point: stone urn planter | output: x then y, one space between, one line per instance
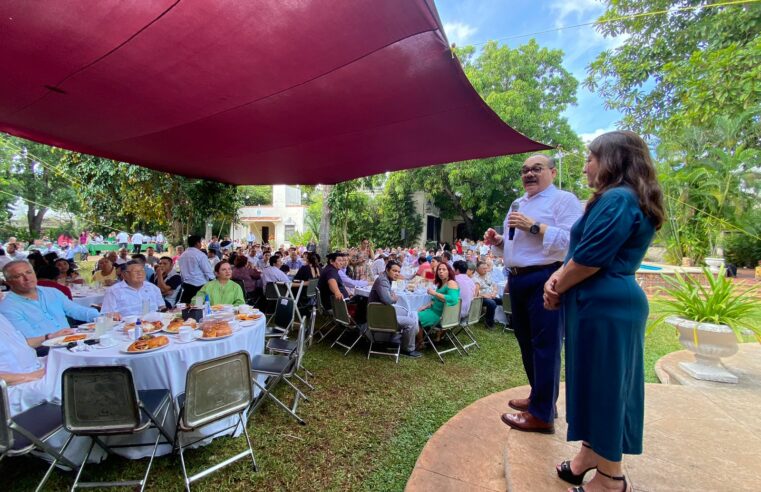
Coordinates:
713 343
715 263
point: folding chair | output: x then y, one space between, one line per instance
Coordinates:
305 300
450 318
474 314
281 322
507 307
278 368
293 348
102 401
272 292
350 327
30 430
215 389
330 322
381 318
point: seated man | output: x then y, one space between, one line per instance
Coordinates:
487 289
349 282
330 283
293 262
381 292
128 297
148 268
122 258
20 368
168 280
273 273
39 313
467 286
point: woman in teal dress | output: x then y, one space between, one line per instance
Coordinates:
223 290
446 292
605 310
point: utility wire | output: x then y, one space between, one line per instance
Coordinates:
623 17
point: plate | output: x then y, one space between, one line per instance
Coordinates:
89 327
250 322
125 351
59 341
198 335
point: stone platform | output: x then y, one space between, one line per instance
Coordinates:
695 439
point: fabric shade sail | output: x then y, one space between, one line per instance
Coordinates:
245 92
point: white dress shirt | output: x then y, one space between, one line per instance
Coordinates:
122 237
195 268
125 300
137 238
274 274
559 210
17 357
350 282
378 267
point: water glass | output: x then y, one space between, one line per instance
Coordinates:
146 306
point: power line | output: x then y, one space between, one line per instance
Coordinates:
623 17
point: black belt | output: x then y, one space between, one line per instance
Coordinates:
515 271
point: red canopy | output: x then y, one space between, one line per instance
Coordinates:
245 92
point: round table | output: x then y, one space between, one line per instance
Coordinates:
87 296
162 369
410 301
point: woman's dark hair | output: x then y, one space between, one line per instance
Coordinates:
422 260
624 160
436 278
313 260
219 265
240 261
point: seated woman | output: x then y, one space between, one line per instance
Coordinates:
446 292
246 273
310 270
66 274
106 273
223 290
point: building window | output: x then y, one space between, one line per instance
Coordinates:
290 230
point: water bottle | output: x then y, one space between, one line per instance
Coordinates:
206 305
138 329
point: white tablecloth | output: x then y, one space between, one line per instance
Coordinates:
162 369
86 296
411 301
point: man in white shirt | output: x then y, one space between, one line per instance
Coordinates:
273 273
541 220
466 284
379 265
137 242
122 258
194 269
13 252
4 258
160 241
20 368
487 289
133 296
122 239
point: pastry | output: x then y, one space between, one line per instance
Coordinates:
147 342
74 338
217 329
247 317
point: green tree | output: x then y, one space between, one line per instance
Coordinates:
40 175
256 195
394 212
681 69
527 87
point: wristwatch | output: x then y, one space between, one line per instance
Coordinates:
534 229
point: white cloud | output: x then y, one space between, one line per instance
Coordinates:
576 9
459 32
588 137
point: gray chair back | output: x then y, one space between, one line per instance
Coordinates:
271 292
6 435
507 307
217 388
99 400
341 312
450 317
474 313
381 317
284 311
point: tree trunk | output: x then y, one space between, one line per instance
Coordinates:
34 219
324 244
469 223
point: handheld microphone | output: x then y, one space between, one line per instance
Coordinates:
511 232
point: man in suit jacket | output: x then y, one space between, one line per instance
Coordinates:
381 292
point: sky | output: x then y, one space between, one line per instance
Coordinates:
477 21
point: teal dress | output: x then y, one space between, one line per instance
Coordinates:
432 315
605 318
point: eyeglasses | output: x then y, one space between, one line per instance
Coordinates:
532 170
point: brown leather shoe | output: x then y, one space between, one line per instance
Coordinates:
526 422
520 404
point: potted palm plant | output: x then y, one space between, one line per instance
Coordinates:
710 320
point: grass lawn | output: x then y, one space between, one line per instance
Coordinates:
367 422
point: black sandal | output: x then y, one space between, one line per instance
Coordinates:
622 478
565 473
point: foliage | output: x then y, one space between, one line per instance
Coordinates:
678 70
528 88
744 248
719 303
395 212
303 238
351 214
41 176
256 195
709 177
